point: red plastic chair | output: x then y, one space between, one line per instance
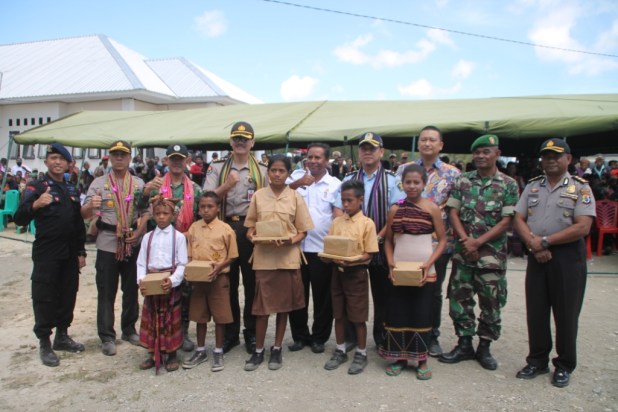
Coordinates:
607 221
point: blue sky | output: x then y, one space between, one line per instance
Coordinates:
282 53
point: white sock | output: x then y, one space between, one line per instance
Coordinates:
259 350
341 347
201 348
362 351
218 350
276 347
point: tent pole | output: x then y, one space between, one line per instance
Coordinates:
413 146
8 158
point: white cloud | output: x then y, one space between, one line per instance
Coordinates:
352 53
555 27
419 88
298 88
211 23
440 36
424 89
462 69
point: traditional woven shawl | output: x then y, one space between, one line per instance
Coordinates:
254 172
185 216
377 206
122 197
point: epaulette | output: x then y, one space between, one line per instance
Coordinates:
390 172
580 179
349 174
263 164
218 161
534 179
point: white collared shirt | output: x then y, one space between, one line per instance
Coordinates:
320 198
161 254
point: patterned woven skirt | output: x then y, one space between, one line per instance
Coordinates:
161 327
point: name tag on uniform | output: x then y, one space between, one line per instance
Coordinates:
250 193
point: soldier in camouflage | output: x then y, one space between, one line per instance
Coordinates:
481 207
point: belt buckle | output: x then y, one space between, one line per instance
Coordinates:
235 218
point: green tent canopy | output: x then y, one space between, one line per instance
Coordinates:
589 122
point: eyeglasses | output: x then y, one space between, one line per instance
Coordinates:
238 139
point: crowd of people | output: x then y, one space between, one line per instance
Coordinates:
150 218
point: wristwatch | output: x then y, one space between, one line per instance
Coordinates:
380 240
544 242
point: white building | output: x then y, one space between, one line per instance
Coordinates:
45 80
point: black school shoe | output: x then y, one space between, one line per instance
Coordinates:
561 378
228 344
530 372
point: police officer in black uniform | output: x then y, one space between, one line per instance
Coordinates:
58 253
553 216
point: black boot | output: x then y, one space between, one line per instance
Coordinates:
62 341
249 341
484 356
187 343
463 351
48 357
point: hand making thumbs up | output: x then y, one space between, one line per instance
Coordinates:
96 199
43 200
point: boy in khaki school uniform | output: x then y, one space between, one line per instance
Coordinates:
210 239
350 284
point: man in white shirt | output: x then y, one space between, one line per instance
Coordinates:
19 167
319 189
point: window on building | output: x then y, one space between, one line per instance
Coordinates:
42 151
40 120
78 152
27 151
25 121
94 153
17 122
32 121
10 122
15 147
48 119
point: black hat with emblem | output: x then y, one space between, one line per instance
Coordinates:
555 145
177 150
61 150
242 129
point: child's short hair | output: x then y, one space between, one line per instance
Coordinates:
415 168
356 185
211 195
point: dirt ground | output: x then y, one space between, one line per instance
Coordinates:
91 381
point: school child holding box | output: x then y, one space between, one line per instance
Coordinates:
278 283
212 240
349 282
163 249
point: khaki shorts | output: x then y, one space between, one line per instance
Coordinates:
350 294
211 299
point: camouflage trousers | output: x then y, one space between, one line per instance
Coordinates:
490 287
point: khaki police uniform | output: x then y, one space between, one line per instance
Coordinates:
559 284
236 205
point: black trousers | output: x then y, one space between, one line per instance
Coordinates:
557 286
378 276
108 269
54 290
241 265
438 297
316 274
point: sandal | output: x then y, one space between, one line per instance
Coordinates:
423 374
172 364
395 368
147 364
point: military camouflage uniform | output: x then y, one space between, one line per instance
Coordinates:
482 203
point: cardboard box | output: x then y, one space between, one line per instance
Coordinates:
271 228
198 270
342 246
152 283
407 274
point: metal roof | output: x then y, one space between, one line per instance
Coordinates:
97 67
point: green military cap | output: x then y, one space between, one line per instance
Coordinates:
487 140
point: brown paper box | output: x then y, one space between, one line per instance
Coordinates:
152 283
341 246
198 271
407 274
270 228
